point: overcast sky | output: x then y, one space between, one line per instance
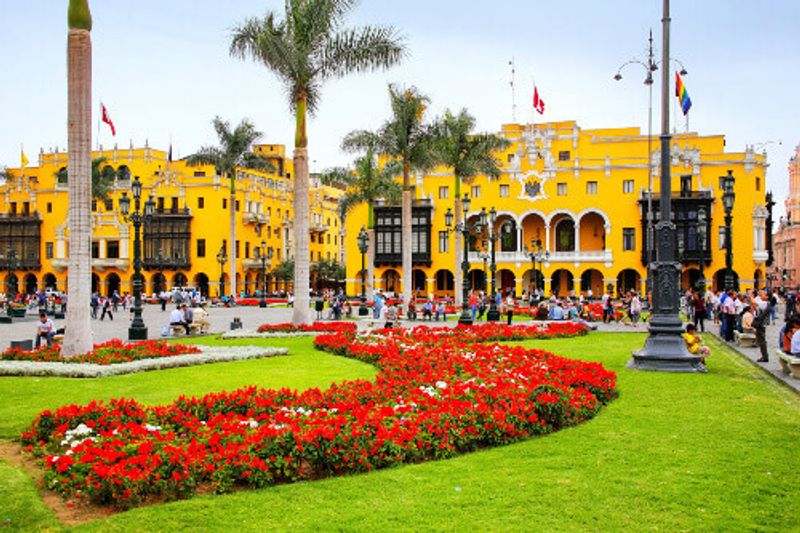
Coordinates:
163 70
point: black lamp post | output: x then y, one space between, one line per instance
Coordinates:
465 229
222 258
263 256
702 232
484 255
137 329
728 196
363 246
493 315
665 349
538 256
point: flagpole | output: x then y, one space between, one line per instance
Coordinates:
513 91
99 119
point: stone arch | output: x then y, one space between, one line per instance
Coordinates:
158 282
628 280
564 234
31 283
690 277
531 281
201 282
477 280
719 279
533 227
180 280
592 231
391 281
113 283
592 279
562 282
445 281
506 281
418 281
50 281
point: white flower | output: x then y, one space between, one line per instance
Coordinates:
441 385
153 429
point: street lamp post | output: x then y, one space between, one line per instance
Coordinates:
728 196
363 247
665 349
493 315
702 232
222 258
263 256
484 255
650 66
137 329
465 229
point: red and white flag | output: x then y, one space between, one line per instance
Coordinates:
538 103
107 119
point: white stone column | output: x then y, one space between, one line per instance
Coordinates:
547 237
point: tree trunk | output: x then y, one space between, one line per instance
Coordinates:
459 246
301 314
406 234
78 334
232 253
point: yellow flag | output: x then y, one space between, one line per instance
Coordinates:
23 158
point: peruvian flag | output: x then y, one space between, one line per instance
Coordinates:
107 119
538 103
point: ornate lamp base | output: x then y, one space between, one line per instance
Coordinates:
665 350
136 333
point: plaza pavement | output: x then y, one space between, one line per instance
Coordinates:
252 317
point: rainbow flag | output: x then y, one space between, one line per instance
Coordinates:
682 94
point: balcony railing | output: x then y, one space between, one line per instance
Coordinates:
255 218
580 256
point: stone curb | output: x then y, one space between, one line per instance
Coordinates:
87 370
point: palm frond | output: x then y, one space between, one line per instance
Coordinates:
361 49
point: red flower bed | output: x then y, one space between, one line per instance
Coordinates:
108 353
288 327
257 301
438 394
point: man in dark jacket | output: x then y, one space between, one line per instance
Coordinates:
762 318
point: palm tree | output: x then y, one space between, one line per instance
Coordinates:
468 155
234 150
102 179
78 333
366 183
406 139
304 49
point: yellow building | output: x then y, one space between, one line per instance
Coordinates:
182 240
583 195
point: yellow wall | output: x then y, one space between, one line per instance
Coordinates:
607 157
265 213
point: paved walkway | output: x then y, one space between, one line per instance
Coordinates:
252 317
750 354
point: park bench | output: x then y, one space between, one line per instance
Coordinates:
58 339
196 328
746 339
789 364
177 330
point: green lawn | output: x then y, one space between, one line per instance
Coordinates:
674 452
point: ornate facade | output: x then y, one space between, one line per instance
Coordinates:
182 239
583 194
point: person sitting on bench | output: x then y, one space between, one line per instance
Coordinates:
694 343
45 329
177 318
